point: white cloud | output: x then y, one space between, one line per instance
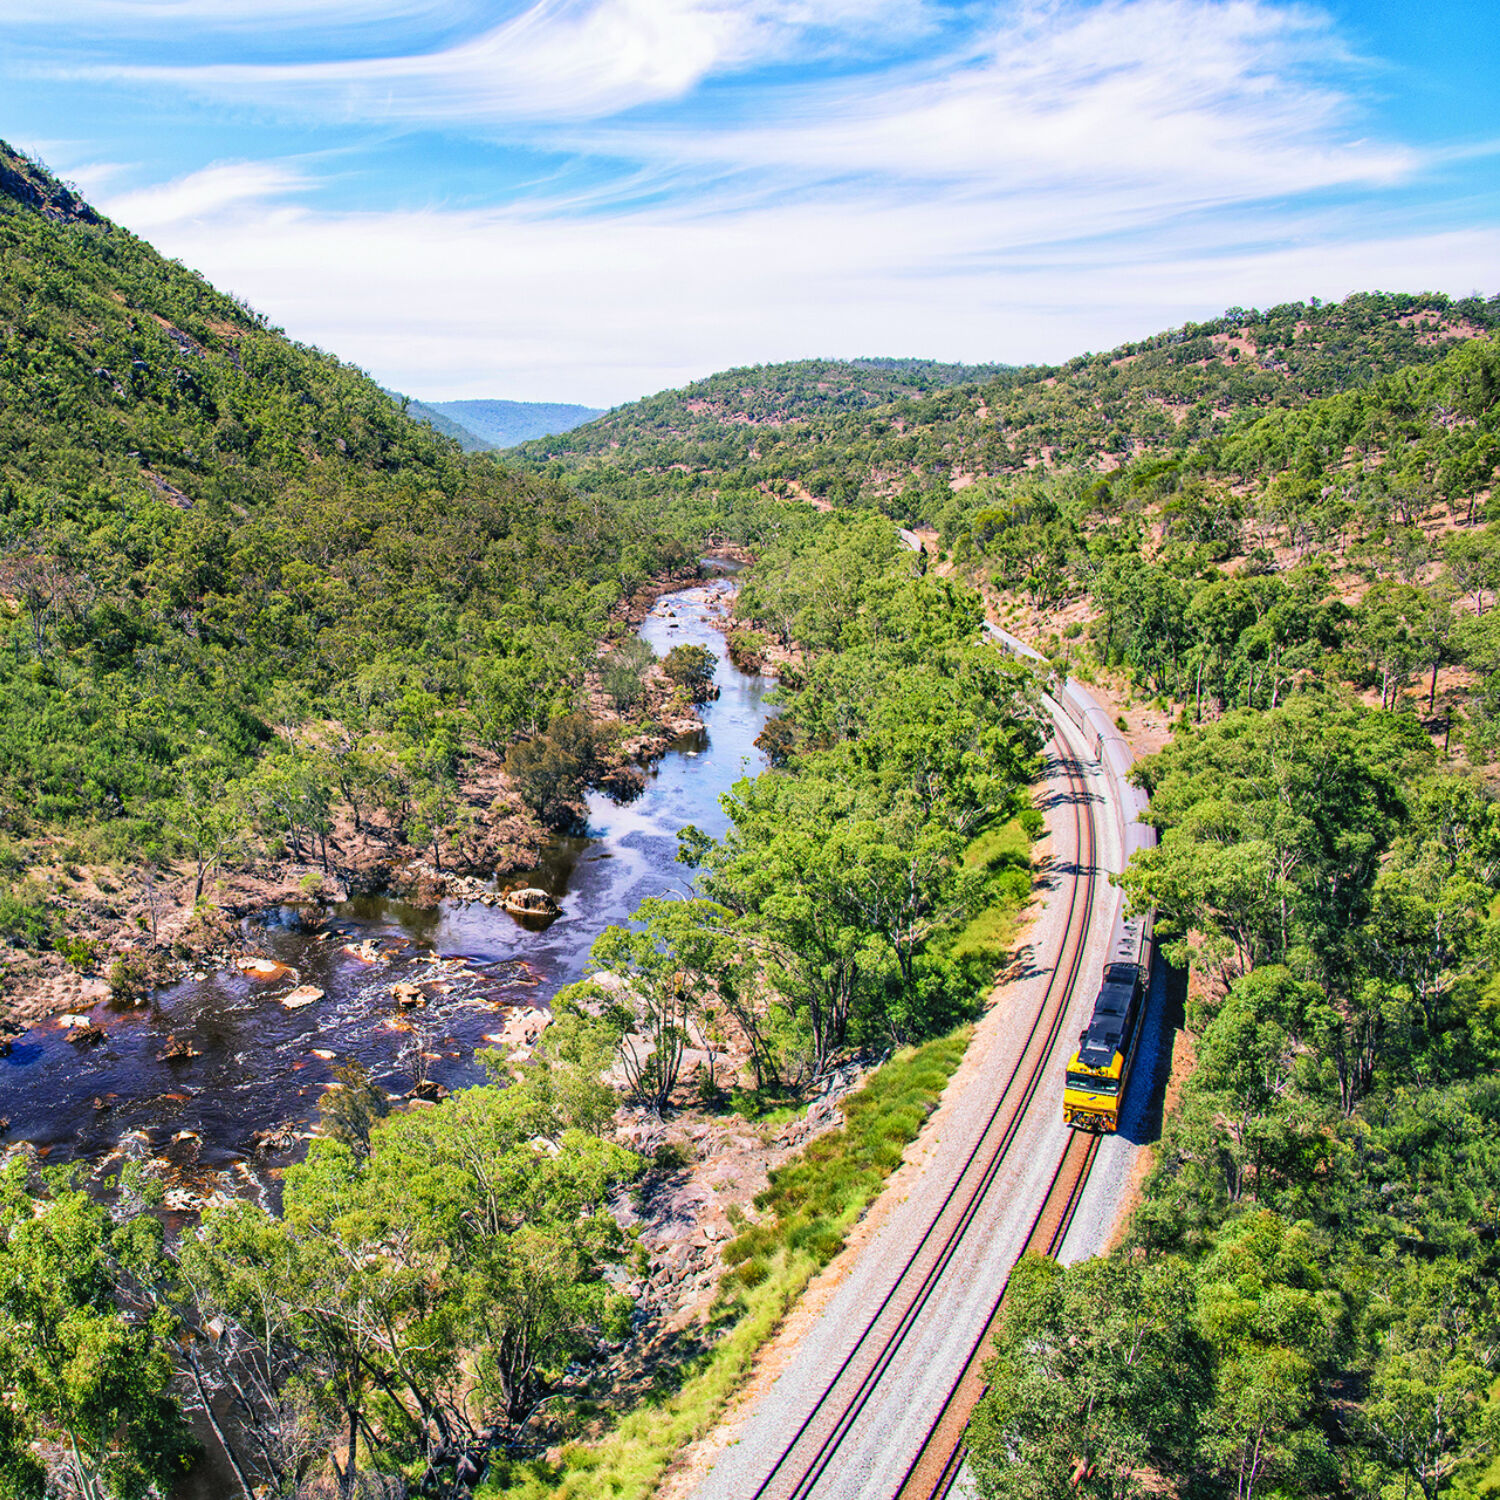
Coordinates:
1077 175
1210 102
223 15
447 305
554 60
203 196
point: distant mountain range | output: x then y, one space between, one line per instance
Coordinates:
500 424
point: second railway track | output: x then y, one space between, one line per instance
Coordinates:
809 1453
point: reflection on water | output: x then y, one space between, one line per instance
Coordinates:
261 1064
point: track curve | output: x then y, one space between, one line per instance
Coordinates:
806 1461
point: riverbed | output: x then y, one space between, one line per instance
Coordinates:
259 1066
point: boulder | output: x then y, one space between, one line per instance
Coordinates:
304 994
274 1138
528 901
261 968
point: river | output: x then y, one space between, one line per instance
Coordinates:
261 1065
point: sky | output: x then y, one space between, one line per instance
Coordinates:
592 200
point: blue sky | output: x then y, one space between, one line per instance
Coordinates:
589 200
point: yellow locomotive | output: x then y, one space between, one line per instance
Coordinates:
1099 1070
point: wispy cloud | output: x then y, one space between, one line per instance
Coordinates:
449 304
553 60
1217 100
980 180
205 196
222 15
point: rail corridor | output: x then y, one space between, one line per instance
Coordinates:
855 1404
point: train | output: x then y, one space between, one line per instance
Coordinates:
1098 1072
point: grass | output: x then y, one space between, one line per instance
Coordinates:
1005 853
1009 845
807 1211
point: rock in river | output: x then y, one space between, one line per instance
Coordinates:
304 994
261 968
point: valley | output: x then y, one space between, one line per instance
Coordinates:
326 1175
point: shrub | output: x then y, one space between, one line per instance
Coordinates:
551 771
129 976
25 921
79 952
691 667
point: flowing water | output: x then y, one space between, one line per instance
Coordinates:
261 1065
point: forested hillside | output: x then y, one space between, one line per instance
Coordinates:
899 435
242 592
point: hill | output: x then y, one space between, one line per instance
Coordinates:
503 424
900 435
239 587
419 411
757 398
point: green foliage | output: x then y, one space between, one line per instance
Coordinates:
238 586
26 921
1331 1168
658 989
1098 1377
1272 826
433 1280
814 1199
551 771
691 667
622 674
351 1106
79 1375
902 737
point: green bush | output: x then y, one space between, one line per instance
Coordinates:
25 921
80 953
129 976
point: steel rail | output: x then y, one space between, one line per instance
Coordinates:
945 1438
1045 1027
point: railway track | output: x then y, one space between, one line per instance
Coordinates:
809 1452
936 1468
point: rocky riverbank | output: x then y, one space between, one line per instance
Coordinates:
148 919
